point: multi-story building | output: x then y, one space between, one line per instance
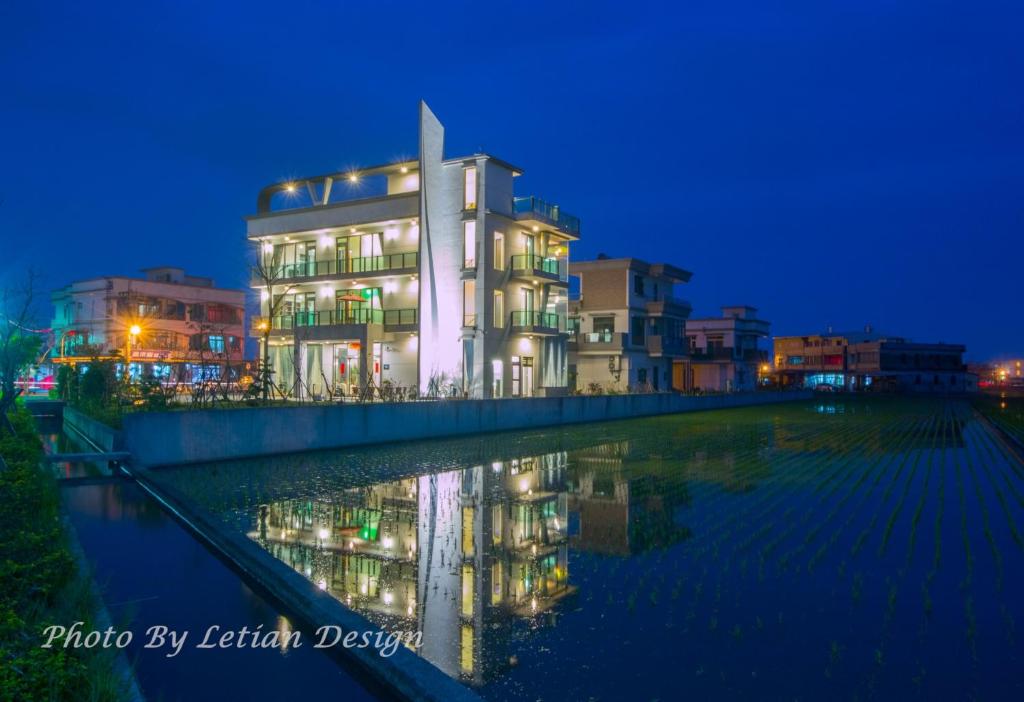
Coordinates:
724 356
177 327
628 327
428 275
867 360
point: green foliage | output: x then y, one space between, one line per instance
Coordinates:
98 385
39 584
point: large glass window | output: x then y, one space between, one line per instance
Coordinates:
469 303
497 380
469 244
499 251
499 309
469 188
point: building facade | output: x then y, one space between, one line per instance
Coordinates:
628 327
859 361
724 356
427 276
186 330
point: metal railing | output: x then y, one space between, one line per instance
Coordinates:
404 316
325 318
540 264
551 212
528 318
358 264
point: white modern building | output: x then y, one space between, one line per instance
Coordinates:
428 275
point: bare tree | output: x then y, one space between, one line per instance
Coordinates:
19 342
271 276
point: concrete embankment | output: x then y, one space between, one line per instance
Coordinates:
97 433
174 438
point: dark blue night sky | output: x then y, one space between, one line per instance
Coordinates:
830 163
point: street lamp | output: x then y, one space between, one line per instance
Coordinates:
133 331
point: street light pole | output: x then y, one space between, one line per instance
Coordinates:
133 331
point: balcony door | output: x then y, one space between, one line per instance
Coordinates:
359 306
522 376
529 247
528 301
305 258
305 309
343 254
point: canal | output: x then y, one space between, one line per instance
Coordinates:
152 572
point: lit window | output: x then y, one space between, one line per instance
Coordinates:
469 303
497 390
499 309
499 251
469 244
469 182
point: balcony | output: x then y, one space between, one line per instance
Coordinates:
536 322
658 345
362 266
327 318
401 320
527 208
600 342
669 307
545 267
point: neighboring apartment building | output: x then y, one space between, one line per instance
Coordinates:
870 361
427 275
188 330
628 326
724 356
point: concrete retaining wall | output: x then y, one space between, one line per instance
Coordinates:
171 438
98 433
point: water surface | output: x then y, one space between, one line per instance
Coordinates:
858 548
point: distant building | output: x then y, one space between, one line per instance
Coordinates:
724 356
187 329
867 360
627 326
1008 372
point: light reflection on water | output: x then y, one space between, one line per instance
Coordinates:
699 550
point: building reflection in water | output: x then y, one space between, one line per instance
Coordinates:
626 504
459 555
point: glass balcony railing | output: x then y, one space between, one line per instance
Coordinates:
359 264
533 263
325 318
528 318
406 316
552 213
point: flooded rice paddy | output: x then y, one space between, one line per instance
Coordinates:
843 549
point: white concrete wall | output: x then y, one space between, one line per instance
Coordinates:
168 438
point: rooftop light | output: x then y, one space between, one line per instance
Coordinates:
352 178
405 169
290 187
